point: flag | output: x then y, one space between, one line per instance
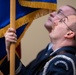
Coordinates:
26 12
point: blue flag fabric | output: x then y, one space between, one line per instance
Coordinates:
26 12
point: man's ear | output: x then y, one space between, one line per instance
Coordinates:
69 34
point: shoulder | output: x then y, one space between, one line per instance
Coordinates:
61 64
63 60
64 57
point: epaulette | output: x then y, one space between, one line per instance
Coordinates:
64 56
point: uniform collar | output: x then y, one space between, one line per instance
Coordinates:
50 46
69 49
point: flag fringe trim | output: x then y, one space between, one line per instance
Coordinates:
19 39
46 8
24 20
1 61
43 5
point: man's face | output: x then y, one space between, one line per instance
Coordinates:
62 27
57 15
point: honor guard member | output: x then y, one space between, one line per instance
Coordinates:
57 59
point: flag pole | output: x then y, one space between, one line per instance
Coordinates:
12 46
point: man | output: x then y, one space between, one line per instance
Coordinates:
63 37
35 67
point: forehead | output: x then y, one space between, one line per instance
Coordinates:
67 10
71 19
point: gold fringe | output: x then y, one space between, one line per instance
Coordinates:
2 60
19 22
25 19
45 5
18 42
19 39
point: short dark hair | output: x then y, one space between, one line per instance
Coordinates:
72 8
73 27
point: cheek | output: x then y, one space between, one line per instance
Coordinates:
58 31
61 32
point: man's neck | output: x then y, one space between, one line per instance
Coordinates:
58 44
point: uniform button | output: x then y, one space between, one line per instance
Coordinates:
46 54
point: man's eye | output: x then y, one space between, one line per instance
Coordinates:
61 20
58 12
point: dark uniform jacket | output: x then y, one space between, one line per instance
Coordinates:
48 62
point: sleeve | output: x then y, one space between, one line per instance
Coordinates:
60 66
5 66
19 67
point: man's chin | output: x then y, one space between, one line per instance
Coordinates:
49 29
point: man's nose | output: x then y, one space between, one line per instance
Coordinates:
53 14
55 22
